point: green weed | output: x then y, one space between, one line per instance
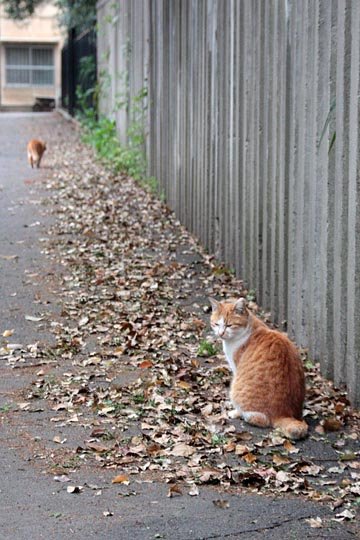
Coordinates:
251 295
117 408
6 408
308 363
101 133
139 398
206 348
218 440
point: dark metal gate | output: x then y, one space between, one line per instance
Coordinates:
78 71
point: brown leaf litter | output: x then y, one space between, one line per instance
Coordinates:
133 290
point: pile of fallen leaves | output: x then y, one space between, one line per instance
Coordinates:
136 367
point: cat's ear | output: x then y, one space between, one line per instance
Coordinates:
214 303
240 306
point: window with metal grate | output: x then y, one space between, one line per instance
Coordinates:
29 65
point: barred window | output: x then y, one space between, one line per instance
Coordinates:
29 66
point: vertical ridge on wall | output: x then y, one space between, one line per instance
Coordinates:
341 188
353 258
313 311
262 158
237 151
245 99
323 171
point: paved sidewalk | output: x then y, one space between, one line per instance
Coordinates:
32 504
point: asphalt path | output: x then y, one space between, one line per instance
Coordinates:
34 506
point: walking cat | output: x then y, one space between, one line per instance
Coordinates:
35 150
268 384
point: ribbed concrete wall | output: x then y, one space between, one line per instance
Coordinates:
239 94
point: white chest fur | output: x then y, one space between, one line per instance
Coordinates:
230 346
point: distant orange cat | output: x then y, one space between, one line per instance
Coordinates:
35 150
268 384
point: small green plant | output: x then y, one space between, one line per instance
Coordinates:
251 295
55 514
139 398
218 440
72 463
87 90
206 348
151 403
117 409
308 363
5 408
217 376
101 133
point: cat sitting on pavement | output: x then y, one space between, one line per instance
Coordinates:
268 384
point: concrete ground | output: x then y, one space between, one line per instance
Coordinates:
32 504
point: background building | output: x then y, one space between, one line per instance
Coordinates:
30 52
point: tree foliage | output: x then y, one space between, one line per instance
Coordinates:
79 14
20 9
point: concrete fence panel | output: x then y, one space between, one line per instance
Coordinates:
252 130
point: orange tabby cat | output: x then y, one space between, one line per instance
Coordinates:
268 384
35 150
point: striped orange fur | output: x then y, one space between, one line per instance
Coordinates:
268 384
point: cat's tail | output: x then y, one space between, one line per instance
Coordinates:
292 428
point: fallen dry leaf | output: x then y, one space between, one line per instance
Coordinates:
57 439
345 515
221 503
332 424
194 491
62 478
83 321
207 410
74 489
9 257
184 385
249 458
134 310
24 406
97 447
315 523
243 436
291 448
182 449
145 364
174 490
33 318
280 460
121 479
241 449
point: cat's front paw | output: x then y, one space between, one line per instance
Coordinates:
235 413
